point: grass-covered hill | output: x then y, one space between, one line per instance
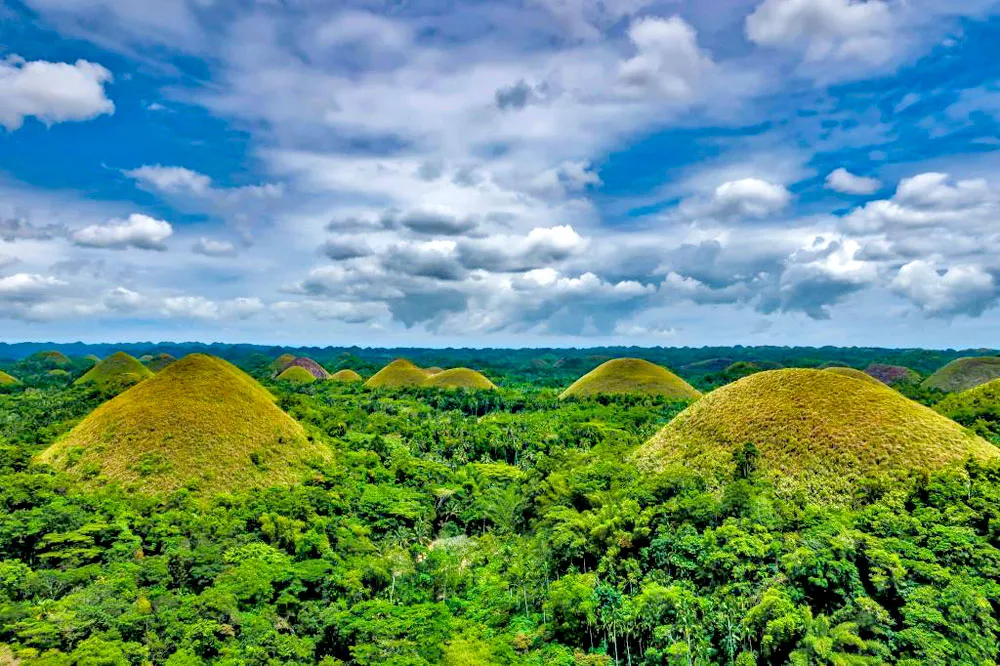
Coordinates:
282 362
456 378
51 359
296 374
310 366
158 362
853 372
201 422
978 409
893 374
345 375
965 373
811 430
400 373
7 380
118 371
630 375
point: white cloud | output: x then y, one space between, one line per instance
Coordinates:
171 179
927 200
138 231
28 287
52 92
843 181
122 299
199 307
668 60
541 248
825 30
955 290
213 248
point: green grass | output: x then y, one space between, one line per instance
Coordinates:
51 359
282 362
815 431
310 366
456 378
631 375
58 372
852 372
201 423
296 375
345 376
117 371
159 362
7 380
965 373
978 409
398 374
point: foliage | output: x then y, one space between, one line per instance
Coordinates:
965 373
116 373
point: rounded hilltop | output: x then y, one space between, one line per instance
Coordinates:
893 375
118 371
978 409
631 375
201 422
7 380
280 363
159 362
346 376
854 373
811 430
296 375
401 373
51 359
459 378
965 373
312 367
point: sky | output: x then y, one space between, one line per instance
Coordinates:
501 173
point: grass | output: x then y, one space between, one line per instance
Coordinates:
7 380
51 359
159 362
965 373
893 374
296 375
117 371
310 366
433 370
457 378
398 374
854 373
201 423
631 375
815 431
57 372
345 376
282 362
978 409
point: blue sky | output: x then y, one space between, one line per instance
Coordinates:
548 172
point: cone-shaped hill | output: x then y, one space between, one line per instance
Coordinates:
892 375
433 370
116 372
310 366
345 376
7 380
813 430
978 408
459 378
398 374
965 373
201 422
280 363
631 375
852 372
51 359
296 374
159 362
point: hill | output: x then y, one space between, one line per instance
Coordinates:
965 373
51 359
813 430
345 376
459 378
892 374
310 366
631 375
978 409
159 362
854 373
296 374
7 380
116 372
398 374
201 422
280 363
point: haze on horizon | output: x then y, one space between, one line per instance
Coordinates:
551 173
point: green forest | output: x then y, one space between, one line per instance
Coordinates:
508 525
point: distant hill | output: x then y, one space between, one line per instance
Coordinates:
459 378
400 373
965 373
813 431
201 422
159 362
345 376
282 362
310 366
978 409
892 374
7 380
630 375
51 359
116 372
296 375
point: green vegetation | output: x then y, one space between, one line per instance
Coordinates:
345 375
978 409
630 375
814 431
58 372
893 375
282 362
159 362
852 372
965 373
297 375
398 374
312 367
7 380
115 373
459 378
201 423
51 359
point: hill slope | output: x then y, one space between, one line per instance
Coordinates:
200 421
856 374
978 409
159 362
631 375
310 366
459 378
965 373
892 374
296 374
7 380
51 359
118 371
280 363
398 374
814 430
345 376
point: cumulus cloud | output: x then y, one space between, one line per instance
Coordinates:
122 299
138 231
199 307
539 249
955 290
28 287
825 30
925 200
843 181
746 197
17 228
171 179
52 92
821 275
668 60
432 221
345 247
433 259
213 248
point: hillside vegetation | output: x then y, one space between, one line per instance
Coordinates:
852 372
810 430
965 373
978 409
282 362
297 375
345 375
159 362
116 372
892 374
310 366
631 375
463 378
400 373
201 422
7 380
